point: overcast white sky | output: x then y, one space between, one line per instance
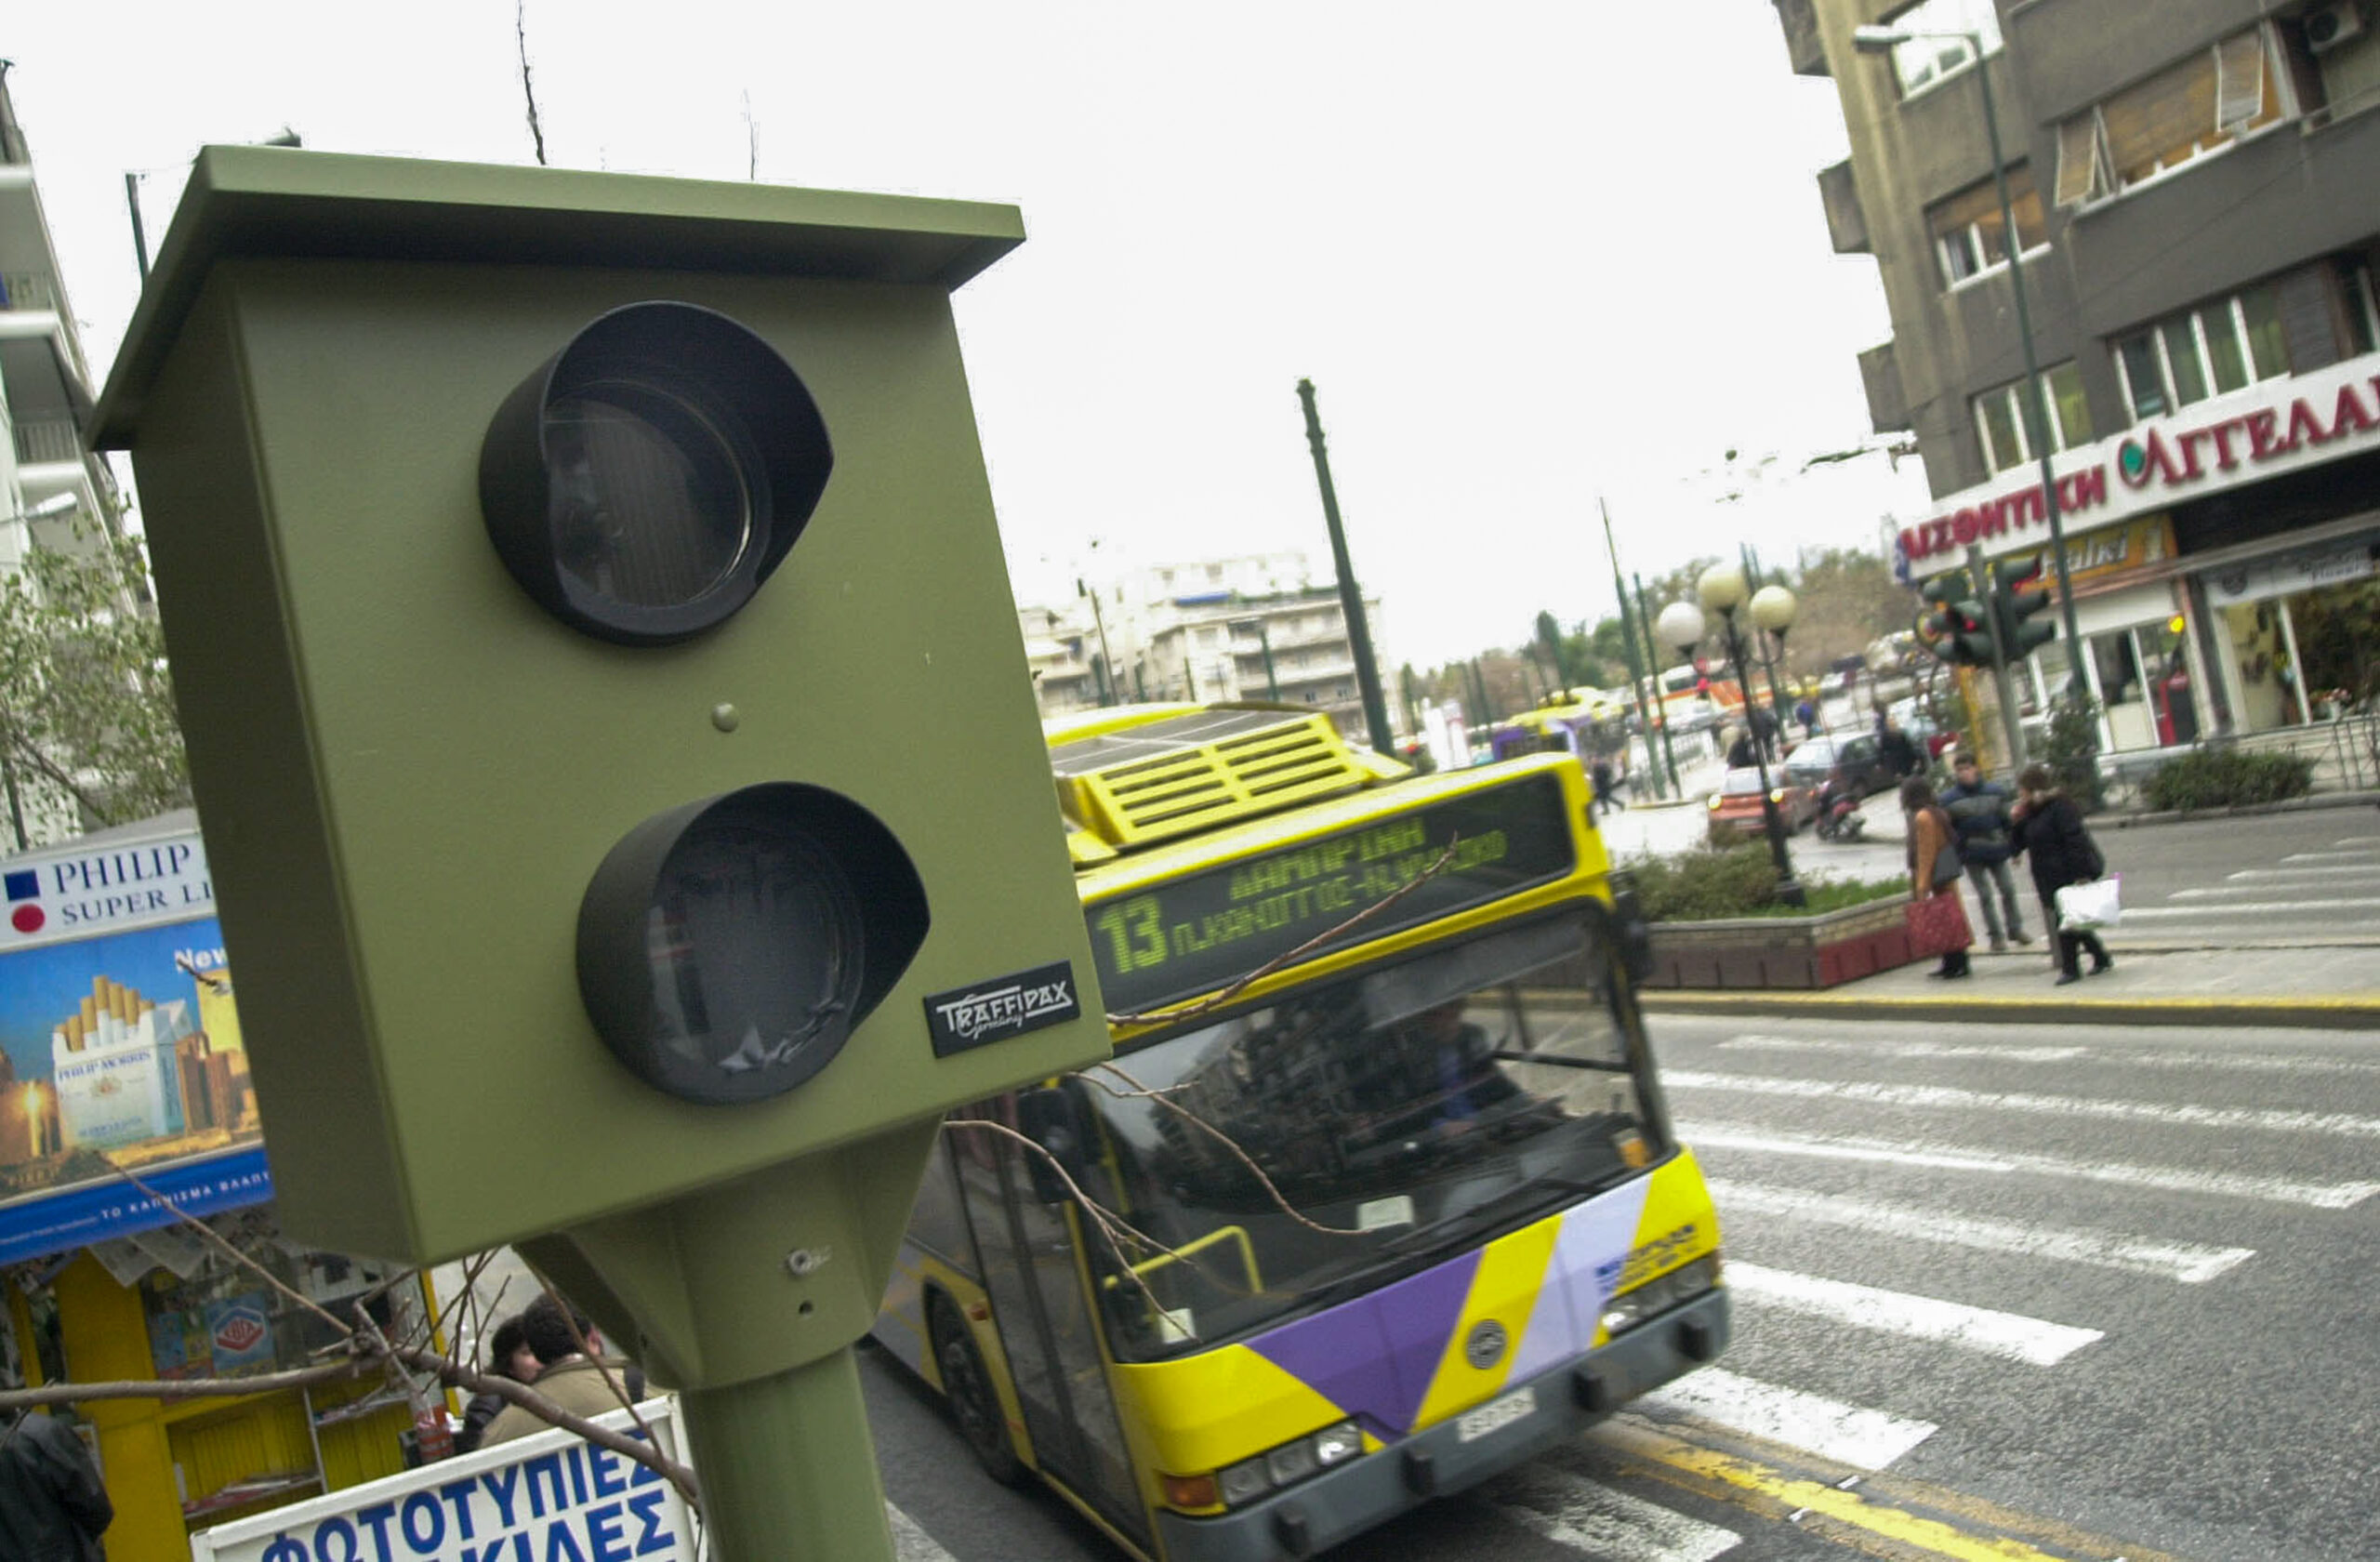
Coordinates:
1530 253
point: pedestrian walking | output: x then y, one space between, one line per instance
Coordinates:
1980 809
1807 714
1601 771
1939 918
53 1505
2048 830
1895 747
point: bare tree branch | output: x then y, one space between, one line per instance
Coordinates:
528 89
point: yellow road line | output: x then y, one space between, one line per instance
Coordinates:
1908 1534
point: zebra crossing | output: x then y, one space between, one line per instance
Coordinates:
1931 1183
2331 889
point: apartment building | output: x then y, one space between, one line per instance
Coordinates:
1254 626
51 493
2195 187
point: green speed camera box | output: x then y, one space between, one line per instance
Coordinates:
410 769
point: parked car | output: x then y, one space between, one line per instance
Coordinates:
1735 812
1915 719
1810 761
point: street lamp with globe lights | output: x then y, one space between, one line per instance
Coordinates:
1773 608
1723 590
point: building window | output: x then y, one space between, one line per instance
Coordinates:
2001 425
2189 108
2210 350
1923 61
1969 236
2362 307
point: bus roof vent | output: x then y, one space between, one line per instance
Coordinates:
1191 773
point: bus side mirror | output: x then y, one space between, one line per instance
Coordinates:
1046 1114
1634 932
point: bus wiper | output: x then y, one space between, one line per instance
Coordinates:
1494 1211
1559 1060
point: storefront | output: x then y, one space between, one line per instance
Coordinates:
2221 560
124 1088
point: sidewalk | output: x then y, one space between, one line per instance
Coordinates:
2330 988
2282 983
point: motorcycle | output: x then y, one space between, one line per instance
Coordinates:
1839 817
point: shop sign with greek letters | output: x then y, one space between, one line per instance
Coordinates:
551 1498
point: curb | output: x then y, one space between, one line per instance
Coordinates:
2343 1012
2114 820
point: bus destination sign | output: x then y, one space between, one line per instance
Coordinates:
1201 932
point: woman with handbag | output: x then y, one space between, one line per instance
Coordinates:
2047 830
1937 922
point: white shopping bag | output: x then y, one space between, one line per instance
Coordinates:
2094 903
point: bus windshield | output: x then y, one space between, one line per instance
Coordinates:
1417 1109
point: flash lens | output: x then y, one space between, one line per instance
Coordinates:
754 940
648 506
644 482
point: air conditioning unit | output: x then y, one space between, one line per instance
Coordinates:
2329 25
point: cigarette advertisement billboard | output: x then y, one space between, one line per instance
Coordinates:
120 1048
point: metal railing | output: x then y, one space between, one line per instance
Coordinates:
47 439
27 290
2344 749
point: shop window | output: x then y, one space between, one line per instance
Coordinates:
2002 428
2193 106
2144 685
1921 62
2210 350
1970 230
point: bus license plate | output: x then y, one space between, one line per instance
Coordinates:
1495 1414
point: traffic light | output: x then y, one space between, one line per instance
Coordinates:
1957 629
2019 590
607 715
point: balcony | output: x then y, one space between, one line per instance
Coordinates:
28 290
1887 403
46 439
1803 46
1847 221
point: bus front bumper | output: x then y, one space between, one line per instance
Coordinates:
1358 1496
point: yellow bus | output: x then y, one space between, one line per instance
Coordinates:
1379 1196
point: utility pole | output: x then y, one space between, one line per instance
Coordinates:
1628 641
1351 599
1669 750
1107 690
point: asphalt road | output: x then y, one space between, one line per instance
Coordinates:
2100 1293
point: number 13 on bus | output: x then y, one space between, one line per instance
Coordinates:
1381 1196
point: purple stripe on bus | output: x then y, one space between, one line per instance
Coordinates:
1374 1356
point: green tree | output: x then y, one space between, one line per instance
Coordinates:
87 701
1847 598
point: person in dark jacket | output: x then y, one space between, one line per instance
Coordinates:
53 1506
2048 830
1896 748
1980 809
508 1355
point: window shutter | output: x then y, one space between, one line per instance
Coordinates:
2240 81
2078 159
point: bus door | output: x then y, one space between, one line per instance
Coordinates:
1050 1337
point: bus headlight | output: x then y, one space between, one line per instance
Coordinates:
1238 1485
1659 1294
